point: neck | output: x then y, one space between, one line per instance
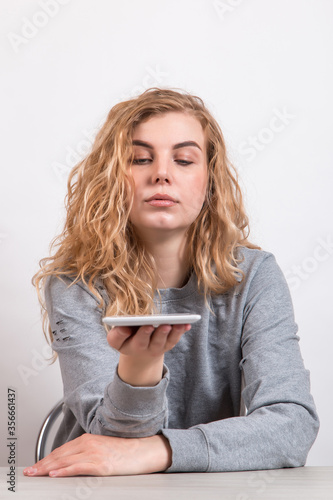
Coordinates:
169 253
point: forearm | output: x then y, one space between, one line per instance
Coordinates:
142 354
130 411
157 452
140 371
272 437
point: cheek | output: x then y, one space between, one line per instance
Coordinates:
199 186
196 193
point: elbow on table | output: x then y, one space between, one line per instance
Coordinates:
299 442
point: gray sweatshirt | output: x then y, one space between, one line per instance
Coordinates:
234 394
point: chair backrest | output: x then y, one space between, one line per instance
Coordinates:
45 430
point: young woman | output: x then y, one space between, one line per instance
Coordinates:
156 223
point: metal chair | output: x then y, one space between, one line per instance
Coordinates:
46 429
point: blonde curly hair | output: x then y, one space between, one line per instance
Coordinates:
98 240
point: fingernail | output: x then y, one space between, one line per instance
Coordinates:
53 473
30 471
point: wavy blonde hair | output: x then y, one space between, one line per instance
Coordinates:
98 240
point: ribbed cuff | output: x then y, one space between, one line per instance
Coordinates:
138 401
190 452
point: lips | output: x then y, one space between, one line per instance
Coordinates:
159 196
161 200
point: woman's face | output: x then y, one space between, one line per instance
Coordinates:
169 172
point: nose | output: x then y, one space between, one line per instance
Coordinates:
161 171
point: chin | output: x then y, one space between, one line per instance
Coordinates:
158 228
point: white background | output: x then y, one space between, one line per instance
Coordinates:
66 63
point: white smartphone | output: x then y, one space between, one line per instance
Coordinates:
152 319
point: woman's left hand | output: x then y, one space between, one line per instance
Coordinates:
96 455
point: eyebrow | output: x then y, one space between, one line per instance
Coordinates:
176 146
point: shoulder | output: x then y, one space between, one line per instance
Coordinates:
64 284
250 259
65 290
261 272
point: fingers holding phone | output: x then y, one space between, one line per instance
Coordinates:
146 340
153 334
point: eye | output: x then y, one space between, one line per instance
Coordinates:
184 162
141 161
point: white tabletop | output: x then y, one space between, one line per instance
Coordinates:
304 483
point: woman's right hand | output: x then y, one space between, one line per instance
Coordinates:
142 354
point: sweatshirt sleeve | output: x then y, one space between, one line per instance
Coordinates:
281 422
99 400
